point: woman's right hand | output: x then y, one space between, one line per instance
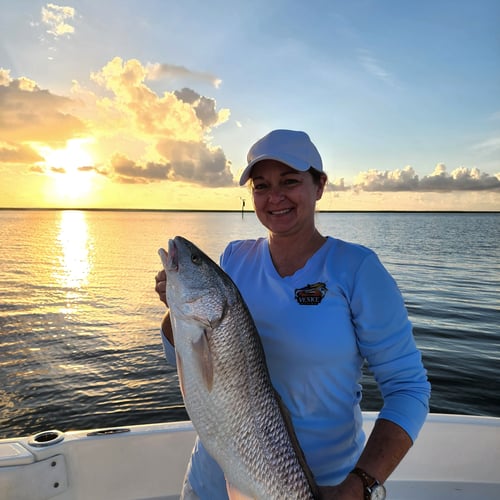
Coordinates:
161 286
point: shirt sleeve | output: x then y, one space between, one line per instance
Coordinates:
385 339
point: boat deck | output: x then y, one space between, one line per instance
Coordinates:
455 457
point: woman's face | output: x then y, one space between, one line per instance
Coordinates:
284 199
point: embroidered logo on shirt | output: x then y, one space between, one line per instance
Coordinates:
310 295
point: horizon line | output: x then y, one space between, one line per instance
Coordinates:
95 209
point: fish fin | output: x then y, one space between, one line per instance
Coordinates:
201 348
285 413
180 373
235 494
218 315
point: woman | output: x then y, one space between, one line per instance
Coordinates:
322 307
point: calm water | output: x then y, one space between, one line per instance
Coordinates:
79 339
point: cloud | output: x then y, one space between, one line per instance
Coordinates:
18 153
175 126
491 145
55 17
188 161
460 179
157 71
336 185
127 171
397 180
197 162
204 107
97 169
174 114
37 169
5 78
142 136
374 67
30 114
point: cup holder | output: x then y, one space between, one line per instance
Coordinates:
46 438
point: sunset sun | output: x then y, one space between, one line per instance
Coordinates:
69 169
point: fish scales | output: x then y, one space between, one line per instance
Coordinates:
225 382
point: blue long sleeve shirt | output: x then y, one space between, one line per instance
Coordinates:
317 327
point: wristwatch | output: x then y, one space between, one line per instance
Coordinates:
373 489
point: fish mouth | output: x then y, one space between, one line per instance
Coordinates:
173 256
169 260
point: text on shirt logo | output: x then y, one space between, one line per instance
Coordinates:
311 295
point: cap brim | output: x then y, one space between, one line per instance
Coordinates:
291 162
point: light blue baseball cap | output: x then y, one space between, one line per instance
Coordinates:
291 147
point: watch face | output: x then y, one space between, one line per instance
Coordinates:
378 492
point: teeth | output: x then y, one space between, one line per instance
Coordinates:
281 212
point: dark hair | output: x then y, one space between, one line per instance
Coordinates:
316 175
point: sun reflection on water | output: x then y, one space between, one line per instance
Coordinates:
74 240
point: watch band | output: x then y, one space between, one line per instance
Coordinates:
368 481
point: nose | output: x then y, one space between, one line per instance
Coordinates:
276 194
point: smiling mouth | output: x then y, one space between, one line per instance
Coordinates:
280 212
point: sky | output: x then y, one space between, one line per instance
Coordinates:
153 104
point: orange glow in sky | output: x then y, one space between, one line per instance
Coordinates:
68 168
157 108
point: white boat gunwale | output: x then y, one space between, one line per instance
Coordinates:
455 457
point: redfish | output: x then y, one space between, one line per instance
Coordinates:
225 382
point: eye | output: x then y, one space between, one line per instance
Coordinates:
259 186
195 259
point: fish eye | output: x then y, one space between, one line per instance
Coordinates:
195 259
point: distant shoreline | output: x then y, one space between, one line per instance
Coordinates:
167 210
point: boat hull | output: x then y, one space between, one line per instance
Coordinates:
455 457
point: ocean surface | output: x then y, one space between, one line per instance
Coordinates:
79 319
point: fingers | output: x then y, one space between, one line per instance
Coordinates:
161 276
161 286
